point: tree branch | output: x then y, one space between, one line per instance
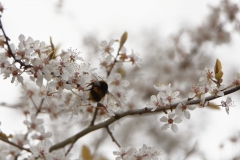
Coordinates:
111 135
13 144
118 116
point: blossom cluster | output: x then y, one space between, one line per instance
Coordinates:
62 82
210 83
144 153
56 75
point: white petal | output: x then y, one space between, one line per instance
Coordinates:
184 101
187 114
118 76
174 128
162 95
164 119
111 42
227 109
154 108
228 100
178 111
177 120
125 83
191 107
171 115
191 94
21 37
153 98
165 127
175 94
104 43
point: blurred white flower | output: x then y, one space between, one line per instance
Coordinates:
228 103
106 47
182 107
170 122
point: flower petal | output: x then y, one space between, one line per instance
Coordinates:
187 114
191 107
165 127
178 111
171 115
191 94
164 119
174 128
175 94
177 120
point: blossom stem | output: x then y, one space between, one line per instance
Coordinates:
111 135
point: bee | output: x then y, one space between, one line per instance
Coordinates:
98 90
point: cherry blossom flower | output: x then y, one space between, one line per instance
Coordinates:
182 107
134 58
124 153
10 153
43 135
228 103
41 149
20 140
207 78
168 96
106 47
218 91
144 153
155 102
34 124
15 72
4 63
59 85
237 81
195 90
118 82
170 122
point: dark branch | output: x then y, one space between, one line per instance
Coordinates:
113 138
118 116
13 144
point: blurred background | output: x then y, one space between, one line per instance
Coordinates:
175 39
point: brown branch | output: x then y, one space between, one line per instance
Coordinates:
111 135
9 48
94 117
13 144
40 107
13 106
118 116
69 149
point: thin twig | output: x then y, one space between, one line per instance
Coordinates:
118 116
40 107
69 149
115 60
9 105
94 117
111 135
13 144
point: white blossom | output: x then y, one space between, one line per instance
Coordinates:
170 122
